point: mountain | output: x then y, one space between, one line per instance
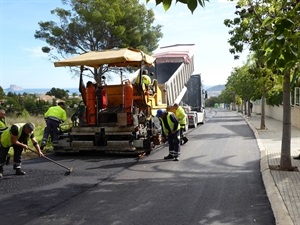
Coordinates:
220 88
13 87
215 91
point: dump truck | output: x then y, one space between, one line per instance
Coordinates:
120 118
175 66
194 101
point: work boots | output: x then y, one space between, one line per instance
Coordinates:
169 157
17 167
183 140
20 172
43 144
7 160
1 172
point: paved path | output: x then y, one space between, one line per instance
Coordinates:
283 187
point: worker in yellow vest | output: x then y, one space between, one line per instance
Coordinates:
146 80
171 129
3 125
54 116
182 118
17 137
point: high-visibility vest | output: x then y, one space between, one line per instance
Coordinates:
5 137
145 78
3 126
181 115
56 113
171 124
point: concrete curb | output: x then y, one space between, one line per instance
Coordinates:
281 214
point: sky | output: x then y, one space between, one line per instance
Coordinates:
22 62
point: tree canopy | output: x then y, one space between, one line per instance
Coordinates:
58 93
88 25
269 28
191 4
2 93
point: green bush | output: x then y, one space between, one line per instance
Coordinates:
274 98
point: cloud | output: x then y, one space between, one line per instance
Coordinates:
35 52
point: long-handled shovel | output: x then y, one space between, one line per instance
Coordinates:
57 163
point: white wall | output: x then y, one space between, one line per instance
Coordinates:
276 112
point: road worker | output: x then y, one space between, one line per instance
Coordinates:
54 116
146 80
3 125
171 130
182 117
17 137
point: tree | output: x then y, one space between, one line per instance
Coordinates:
210 102
92 25
241 86
13 106
58 93
99 24
227 96
272 29
283 41
265 83
276 31
191 4
2 93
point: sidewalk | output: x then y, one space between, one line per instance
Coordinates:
283 187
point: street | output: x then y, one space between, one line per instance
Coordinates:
217 181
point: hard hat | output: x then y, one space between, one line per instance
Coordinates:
159 112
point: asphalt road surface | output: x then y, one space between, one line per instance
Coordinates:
216 182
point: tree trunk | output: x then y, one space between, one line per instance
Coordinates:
249 108
233 106
263 113
285 160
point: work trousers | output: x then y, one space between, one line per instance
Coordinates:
51 129
174 143
182 129
17 155
183 138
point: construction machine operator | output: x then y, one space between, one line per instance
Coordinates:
146 80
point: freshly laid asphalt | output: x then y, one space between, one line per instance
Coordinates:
283 187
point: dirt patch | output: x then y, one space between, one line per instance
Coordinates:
277 167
